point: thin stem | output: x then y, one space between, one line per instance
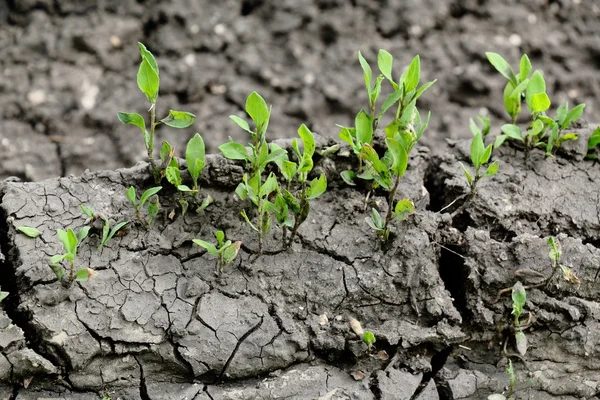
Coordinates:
151 143
389 214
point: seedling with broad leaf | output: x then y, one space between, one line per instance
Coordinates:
257 157
107 232
149 201
224 251
593 143
559 125
148 81
70 241
29 231
480 155
516 85
405 94
292 203
369 339
519 298
555 254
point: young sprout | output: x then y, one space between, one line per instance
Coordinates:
149 199
29 231
406 92
70 241
107 232
516 85
369 339
148 81
519 297
291 205
512 382
555 254
195 159
593 143
480 155
253 185
224 251
557 126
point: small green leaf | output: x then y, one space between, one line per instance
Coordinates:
399 156
269 186
422 89
403 209
486 155
131 196
3 295
518 90
594 139
492 169
561 113
212 250
536 85
367 73
501 65
369 339
105 232
364 127
288 170
555 249
147 55
153 208
512 131
540 102
385 62
133 119
149 193
179 119
230 252
234 151
317 187
521 340
257 109
327 151
413 74
477 150
519 297
390 101
29 231
567 136
467 174
113 231
377 219
57 258
241 123
220 236
58 270
85 275
148 81
308 139
87 211
83 233
573 116
195 157
512 103
348 135
524 68
172 173
348 176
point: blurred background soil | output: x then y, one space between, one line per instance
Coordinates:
67 67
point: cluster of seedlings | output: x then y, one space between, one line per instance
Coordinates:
279 185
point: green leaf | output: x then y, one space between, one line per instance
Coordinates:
555 249
492 169
327 151
540 102
68 240
561 113
369 338
573 116
524 68
537 127
399 156
147 55
473 127
422 89
82 234
131 196
241 123
364 128
195 157
288 170
519 297
166 152
3 295
220 236
567 136
467 174
113 231
172 173
403 209
512 131
518 90
234 151
29 231
308 139
148 81
87 211
512 104
501 65
105 232
317 187
306 165
153 208
133 119
536 85
500 139
230 252
348 135
58 270
521 340
179 119
385 62
594 139
413 74
367 73
382 174
212 250
486 155
85 275
377 219
376 92
348 176
257 109
149 193
269 186
477 150
390 101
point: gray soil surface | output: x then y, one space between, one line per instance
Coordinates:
157 323
67 67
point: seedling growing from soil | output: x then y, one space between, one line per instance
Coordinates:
516 85
29 231
291 206
559 124
149 200
148 81
555 255
70 241
253 186
107 232
369 339
512 383
480 155
224 251
593 143
519 297
195 158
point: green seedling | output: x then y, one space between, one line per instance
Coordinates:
3 295
480 155
29 231
512 383
195 158
148 199
519 298
256 157
559 124
593 143
148 81
70 241
516 85
405 94
224 251
369 339
107 232
555 254
291 207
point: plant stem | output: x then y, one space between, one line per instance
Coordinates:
389 214
150 148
